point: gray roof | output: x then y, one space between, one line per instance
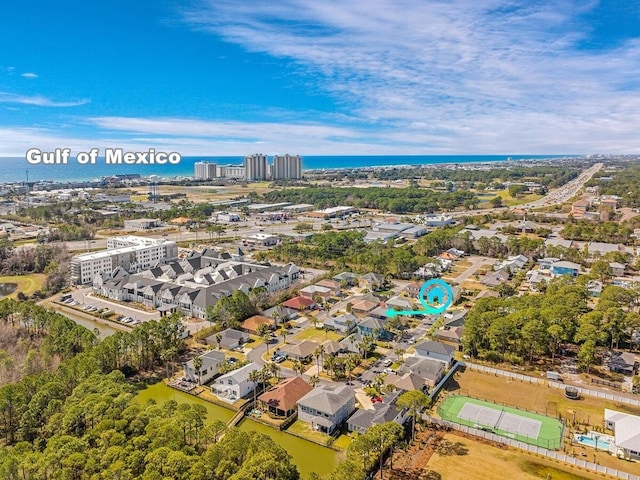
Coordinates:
435 347
424 367
328 398
381 413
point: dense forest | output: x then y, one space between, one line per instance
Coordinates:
624 182
348 250
81 421
528 327
395 200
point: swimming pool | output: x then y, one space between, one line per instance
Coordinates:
603 442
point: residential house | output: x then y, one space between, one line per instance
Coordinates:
332 285
547 262
601 248
373 327
431 370
230 339
399 303
381 413
331 347
363 305
513 264
211 362
494 279
379 312
454 318
626 430
450 335
299 303
437 351
234 385
347 279
281 400
617 269
487 294
302 351
325 407
343 323
316 291
623 362
558 242
407 382
252 324
372 281
281 314
413 289
594 288
565 267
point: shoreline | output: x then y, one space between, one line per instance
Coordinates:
98 175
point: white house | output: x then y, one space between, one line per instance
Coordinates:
626 429
235 384
211 362
437 351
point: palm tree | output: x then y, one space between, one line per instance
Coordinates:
297 366
317 353
284 332
330 362
218 339
313 381
254 376
400 353
274 369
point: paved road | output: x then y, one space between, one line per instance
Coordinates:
476 263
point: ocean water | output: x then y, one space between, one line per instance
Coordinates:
16 169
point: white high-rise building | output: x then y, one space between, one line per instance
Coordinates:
286 167
255 167
204 170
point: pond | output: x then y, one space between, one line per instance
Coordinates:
7 289
103 328
307 456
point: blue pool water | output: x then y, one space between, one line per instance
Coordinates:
591 442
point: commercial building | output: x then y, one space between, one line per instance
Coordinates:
286 167
205 170
130 253
255 167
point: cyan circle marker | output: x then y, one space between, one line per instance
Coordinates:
431 290
438 289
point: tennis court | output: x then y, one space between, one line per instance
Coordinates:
505 421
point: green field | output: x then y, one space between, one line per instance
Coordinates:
551 429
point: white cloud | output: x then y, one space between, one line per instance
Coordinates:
39 101
452 72
29 75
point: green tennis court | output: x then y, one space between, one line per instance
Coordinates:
531 428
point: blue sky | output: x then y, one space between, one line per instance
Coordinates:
330 77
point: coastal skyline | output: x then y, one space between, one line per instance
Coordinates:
390 78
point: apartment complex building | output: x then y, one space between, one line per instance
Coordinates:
130 253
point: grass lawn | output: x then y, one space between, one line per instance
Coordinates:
342 442
508 199
318 335
27 284
492 463
304 430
